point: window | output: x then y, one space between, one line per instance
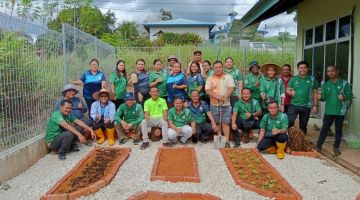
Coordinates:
344 26
330 30
330 54
309 37
342 58
319 33
318 68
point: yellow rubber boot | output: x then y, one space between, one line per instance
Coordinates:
271 150
111 135
99 133
280 150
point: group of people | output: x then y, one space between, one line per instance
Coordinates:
194 102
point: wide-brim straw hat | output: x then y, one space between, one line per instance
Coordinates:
264 68
96 95
69 87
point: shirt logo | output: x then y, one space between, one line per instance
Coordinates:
308 81
296 82
278 122
183 117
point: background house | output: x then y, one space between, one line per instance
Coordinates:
180 25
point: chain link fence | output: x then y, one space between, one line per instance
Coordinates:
35 63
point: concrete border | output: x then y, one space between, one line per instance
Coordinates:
21 157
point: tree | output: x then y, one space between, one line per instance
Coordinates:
128 30
165 15
284 37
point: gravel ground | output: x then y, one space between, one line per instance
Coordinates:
313 178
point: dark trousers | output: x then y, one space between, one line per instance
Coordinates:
240 125
269 141
304 115
286 108
145 97
117 102
327 122
233 100
101 124
62 142
203 131
89 102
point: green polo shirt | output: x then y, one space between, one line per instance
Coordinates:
54 128
272 88
330 92
120 83
279 122
133 115
155 108
303 88
181 119
241 107
210 72
249 82
162 85
237 76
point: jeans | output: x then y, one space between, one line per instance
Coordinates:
327 122
240 125
304 115
62 142
267 142
203 131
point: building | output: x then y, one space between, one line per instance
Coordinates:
328 33
180 25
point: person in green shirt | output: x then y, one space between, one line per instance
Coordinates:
238 80
128 118
206 73
155 111
157 78
303 91
179 118
246 114
272 86
118 83
195 80
253 80
273 130
60 131
335 92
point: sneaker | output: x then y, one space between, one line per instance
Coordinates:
136 142
167 144
144 145
227 145
61 156
122 141
337 151
237 146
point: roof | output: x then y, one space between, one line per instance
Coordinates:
180 22
265 9
238 28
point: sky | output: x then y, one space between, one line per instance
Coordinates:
201 10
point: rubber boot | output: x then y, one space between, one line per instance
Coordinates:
280 150
110 135
271 150
99 133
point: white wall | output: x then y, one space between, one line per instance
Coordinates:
202 31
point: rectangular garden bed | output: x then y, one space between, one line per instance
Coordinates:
251 171
151 195
92 173
175 165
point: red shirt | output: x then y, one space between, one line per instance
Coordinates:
286 80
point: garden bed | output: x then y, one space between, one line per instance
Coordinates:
175 165
251 171
308 153
92 173
151 195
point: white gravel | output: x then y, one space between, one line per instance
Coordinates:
134 176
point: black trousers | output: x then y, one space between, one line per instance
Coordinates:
240 125
118 102
267 141
327 122
203 131
89 102
63 141
304 115
101 124
146 96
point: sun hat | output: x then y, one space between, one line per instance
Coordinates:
172 57
69 86
97 94
264 68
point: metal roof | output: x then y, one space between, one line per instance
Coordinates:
180 22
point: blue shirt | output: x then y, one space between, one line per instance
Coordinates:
178 79
92 83
75 111
107 111
195 82
199 113
142 84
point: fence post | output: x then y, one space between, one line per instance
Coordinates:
64 53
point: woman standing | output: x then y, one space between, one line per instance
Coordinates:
238 80
93 80
157 78
140 80
195 80
118 83
176 84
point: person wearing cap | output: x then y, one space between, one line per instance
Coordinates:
273 130
179 119
253 80
118 83
128 117
155 112
176 84
286 76
197 59
238 82
157 78
171 62
303 91
272 86
140 81
219 88
103 116
92 80
60 132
